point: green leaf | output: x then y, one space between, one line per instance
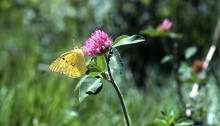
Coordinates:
93 69
164 113
166 59
156 33
151 124
194 76
92 64
100 61
170 118
184 71
184 122
190 52
160 122
202 81
90 85
175 35
128 40
96 91
119 38
189 81
116 61
80 82
93 72
153 33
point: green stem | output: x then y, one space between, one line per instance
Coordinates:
111 80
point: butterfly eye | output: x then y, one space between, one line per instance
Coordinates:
72 64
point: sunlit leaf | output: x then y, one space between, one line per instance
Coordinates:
160 122
120 38
170 119
175 35
190 52
184 71
100 62
128 40
183 122
167 59
90 85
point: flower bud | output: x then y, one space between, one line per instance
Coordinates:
165 26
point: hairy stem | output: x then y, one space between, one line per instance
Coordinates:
179 91
177 81
111 80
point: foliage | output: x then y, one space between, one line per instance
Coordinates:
168 120
33 33
96 68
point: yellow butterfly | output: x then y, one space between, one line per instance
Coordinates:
71 63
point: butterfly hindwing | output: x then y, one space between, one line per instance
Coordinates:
76 66
71 63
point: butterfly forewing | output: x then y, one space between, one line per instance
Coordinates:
71 63
59 64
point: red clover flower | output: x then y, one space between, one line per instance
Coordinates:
97 44
165 26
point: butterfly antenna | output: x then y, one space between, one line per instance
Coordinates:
73 43
74 47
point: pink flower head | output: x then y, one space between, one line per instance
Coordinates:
165 26
97 44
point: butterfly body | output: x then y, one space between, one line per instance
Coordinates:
71 63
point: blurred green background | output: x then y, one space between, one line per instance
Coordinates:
33 33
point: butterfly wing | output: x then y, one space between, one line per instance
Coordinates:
59 64
71 63
76 64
